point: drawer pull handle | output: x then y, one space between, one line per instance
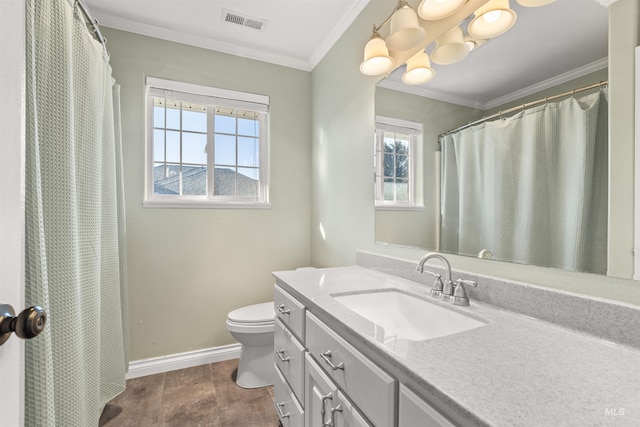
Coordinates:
280 354
322 409
280 407
332 421
326 356
283 309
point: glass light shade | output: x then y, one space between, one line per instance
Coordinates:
450 48
438 9
419 70
376 57
534 3
405 33
474 43
492 19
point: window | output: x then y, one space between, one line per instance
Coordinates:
206 147
394 162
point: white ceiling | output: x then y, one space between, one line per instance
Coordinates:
298 33
547 45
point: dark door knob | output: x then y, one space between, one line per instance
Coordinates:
28 324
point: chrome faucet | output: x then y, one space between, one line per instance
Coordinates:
454 293
445 292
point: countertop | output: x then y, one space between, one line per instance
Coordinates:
513 371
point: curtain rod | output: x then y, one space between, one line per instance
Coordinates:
524 107
93 24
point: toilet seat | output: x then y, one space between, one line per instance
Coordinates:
256 315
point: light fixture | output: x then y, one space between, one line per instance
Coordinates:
419 69
534 3
432 10
405 32
450 48
407 35
474 43
376 57
492 19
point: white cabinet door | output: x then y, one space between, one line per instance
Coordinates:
325 405
414 411
288 408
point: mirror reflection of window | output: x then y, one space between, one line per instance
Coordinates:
395 147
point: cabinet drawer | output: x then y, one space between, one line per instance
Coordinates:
414 411
370 388
288 409
290 312
326 404
289 357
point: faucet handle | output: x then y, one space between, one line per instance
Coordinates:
460 294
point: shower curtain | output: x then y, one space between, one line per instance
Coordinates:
74 219
531 188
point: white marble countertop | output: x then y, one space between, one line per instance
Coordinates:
514 371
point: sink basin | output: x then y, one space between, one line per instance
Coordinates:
399 316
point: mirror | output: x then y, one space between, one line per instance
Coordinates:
539 57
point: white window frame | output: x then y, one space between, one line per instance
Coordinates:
211 97
414 130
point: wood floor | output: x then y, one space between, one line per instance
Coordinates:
203 396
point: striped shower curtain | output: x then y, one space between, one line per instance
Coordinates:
532 188
74 219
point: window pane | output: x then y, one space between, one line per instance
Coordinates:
389 142
194 148
402 144
249 127
225 149
194 119
224 181
158 145
402 167
248 182
389 164
388 189
158 116
225 123
166 180
402 190
194 180
173 114
248 152
173 146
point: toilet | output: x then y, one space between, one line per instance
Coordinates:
252 326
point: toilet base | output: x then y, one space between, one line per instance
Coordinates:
256 367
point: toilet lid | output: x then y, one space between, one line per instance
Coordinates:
256 313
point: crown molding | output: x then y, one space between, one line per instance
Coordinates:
549 83
338 30
124 24
496 102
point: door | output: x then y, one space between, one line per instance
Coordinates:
12 51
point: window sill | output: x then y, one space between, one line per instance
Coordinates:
203 204
399 208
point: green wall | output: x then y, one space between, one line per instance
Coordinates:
189 267
418 228
343 120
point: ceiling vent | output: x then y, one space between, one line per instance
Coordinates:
243 20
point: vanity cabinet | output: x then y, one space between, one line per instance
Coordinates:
368 386
413 411
322 380
289 351
326 405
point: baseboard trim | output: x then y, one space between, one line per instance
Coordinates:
157 365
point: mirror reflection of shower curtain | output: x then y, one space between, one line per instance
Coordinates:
531 188
75 260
